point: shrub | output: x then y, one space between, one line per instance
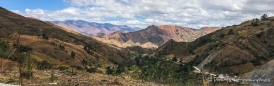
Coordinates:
79 68
174 59
264 17
72 54
255 22
61 68
27 74
10 81
44 36
109 70
230 32
44 65
91 70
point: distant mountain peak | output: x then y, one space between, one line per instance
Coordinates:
93 28
154 36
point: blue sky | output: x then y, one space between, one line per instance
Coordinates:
141 13
21 5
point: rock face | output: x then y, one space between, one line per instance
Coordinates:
93 29
154 36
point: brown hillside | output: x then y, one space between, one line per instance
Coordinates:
30 29
245 46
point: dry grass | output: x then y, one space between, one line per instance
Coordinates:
45 50
64 78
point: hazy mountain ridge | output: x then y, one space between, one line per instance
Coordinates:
92 28
154 36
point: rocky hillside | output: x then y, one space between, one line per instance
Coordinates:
92 28
238 49
154 36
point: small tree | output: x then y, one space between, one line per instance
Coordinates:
28 62
85 48
230 32
174 59
255 22
91 70
72 54
62 47
52 76
264 17
44 36
120 69
109 70
3 48
84 62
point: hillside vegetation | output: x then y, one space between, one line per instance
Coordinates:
244 45
234 50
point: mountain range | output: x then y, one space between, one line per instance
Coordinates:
154 36
245 50
93 29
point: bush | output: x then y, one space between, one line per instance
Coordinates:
264 17
27 74
109 70
10 81
79 68
230 32
91 70
174 59
255 22
72 54
222 35
61 68
44 36
44 65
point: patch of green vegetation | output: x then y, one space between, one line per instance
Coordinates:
44 65
27 74
11 81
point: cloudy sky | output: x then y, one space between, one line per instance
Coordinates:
141 13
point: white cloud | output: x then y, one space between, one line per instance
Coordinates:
190 13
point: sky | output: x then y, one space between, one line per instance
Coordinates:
142 13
